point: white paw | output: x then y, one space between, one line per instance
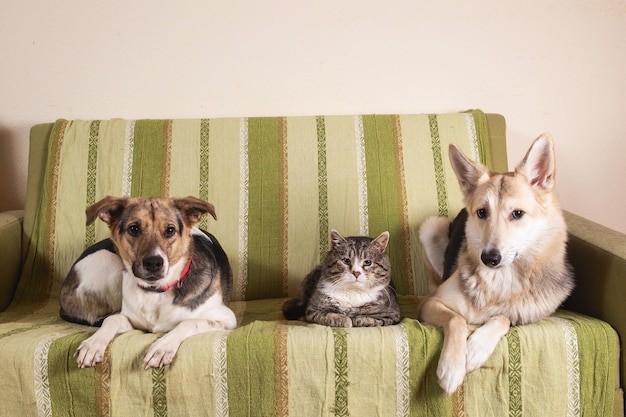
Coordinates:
161 353
477 354
483 342
90 352
451 372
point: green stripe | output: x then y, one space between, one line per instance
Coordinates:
322 178
341 371
264 216
159 392
203 192
72 389
425 345
440 179
92 171
597 353
384 200
148 151
250 358
36 278
515 373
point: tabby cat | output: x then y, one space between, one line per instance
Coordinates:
351 288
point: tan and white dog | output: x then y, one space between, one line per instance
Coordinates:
501 262
157 273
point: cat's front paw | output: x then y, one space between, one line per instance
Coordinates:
335 320
364 321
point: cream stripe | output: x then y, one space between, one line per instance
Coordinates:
220 375
573 366
242 267
185 156
361 171
129 142
342 183
403 393
473 139
303 205
41 379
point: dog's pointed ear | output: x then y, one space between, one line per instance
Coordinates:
193 208
108 210
469 173
539 165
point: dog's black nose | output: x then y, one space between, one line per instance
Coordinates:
152 263
491 257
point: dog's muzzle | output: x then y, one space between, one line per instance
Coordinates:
491 257
151 268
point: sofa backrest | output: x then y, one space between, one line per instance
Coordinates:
279 184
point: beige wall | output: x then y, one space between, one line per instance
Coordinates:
557 66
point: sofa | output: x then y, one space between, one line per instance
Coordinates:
279 184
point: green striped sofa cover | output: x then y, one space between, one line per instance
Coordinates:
279 184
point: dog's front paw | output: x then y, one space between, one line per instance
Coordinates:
161 353
483 342
451 372
90 352
477 354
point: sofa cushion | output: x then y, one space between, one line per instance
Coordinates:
563 365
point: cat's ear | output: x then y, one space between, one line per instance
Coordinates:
381 241
336 238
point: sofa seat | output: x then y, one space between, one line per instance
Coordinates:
269 366
279 185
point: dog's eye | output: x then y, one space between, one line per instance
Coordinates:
170 231
517 214
481 213
133 230
347 261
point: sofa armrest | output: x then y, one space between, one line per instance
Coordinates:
598 255
10 254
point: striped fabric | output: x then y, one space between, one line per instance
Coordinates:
268 367
279 185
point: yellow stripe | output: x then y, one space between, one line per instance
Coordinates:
110 176
371 359
185 156
70 224
223 191
303 202
343 184
314 392
419 175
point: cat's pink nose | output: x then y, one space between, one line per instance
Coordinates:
356 274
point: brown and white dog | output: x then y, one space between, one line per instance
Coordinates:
157 273
502 260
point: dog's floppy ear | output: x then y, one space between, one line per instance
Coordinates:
539 164
468 172
108 209
193 208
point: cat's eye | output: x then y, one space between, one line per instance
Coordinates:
347 261
367 262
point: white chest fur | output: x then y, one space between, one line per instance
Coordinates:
156 312
352 297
